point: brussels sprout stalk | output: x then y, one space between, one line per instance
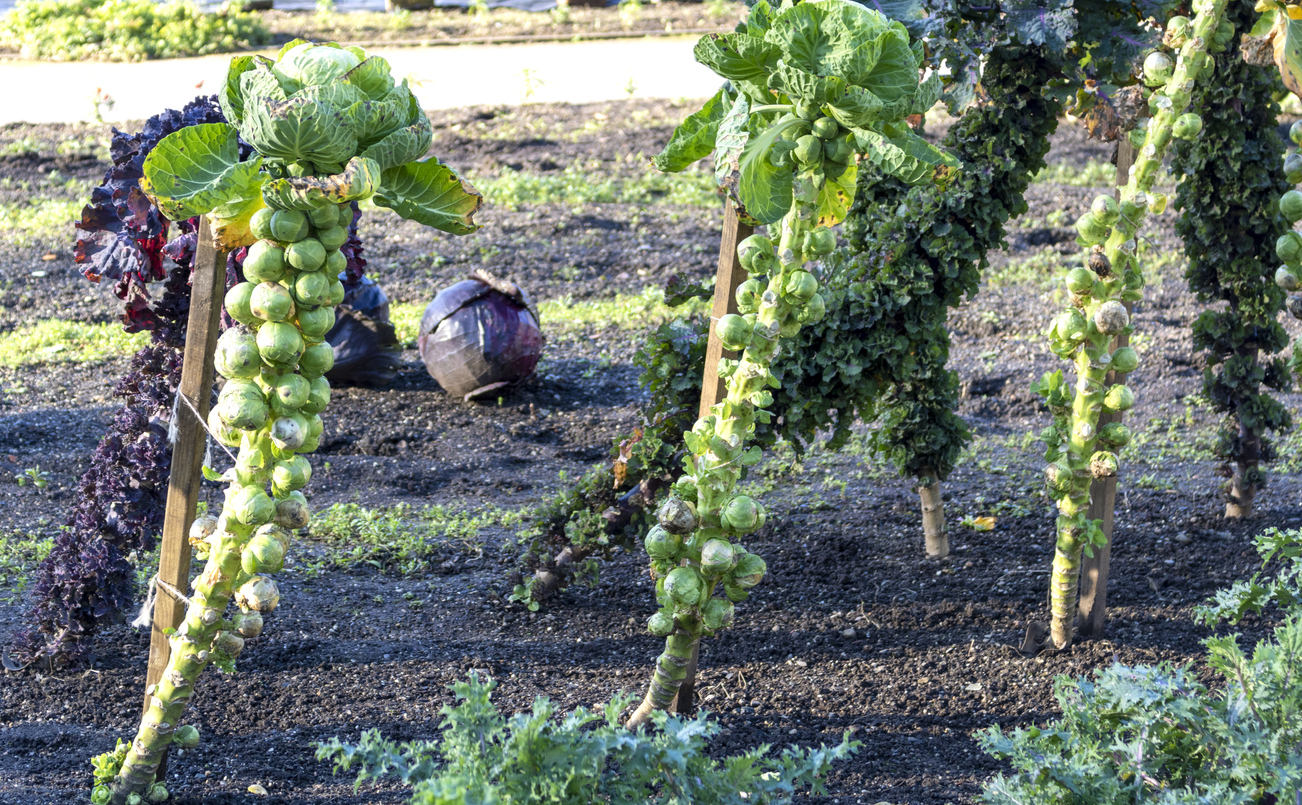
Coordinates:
292 208
1078 449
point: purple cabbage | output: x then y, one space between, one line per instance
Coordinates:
479 337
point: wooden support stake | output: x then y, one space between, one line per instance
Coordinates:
207 288
730 275
1093 609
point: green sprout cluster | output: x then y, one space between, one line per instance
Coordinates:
1289 246
1078 449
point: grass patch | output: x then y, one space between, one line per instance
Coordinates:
125 30
396 539
20 553
58 341
40 220
1041 269
1094 173
564 316
577 187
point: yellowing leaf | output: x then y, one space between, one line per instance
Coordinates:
982 524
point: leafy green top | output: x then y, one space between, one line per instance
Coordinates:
328 125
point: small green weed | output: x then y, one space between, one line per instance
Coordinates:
576 187
58 341
19 553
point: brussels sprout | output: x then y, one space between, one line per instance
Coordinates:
790 326
186 736
717 557
203 527
335 294
292 512
1103 464
801 285
1119 398
312 290
1111 318
812 311
662 545
734 592
247 625
258 593
318 396
742 515
1058 476
1106 210
753 249
290 474
333 238
820 241
222 432
683 585
1177 31
1114 434
157 793
1158 68
717 614
1295 132
237 354
749 571
288 432
1125 360
270 301
1289 248
677 516
748 295
685 488
1286 279
263 554
264 262
660 624
1080 281
252 465
316 360
734 331
306 255
101 795
1290 205
335 263
1293 168
1187 126
290 391
809 150
237 302
1070 325
135 799
288 226
825 128
1089 228
279 343
241 412
228 643
250 505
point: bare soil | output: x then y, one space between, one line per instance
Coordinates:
853 626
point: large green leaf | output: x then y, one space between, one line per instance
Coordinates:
895 75
830 37
737 57
733 132
759 19
836 195
359 180
857 108
259 84
430 193
231 98
1288 47
197 170
765 189
800 85
372 77
402 146
694 138
377 119
904 155
300 129
928 93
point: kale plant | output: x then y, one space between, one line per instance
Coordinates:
580 758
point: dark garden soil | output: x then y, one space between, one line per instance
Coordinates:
852 628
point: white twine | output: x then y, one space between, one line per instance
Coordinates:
146 614
203 424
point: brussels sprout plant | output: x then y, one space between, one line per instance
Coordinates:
328 126
812 88
1078 449
1289 275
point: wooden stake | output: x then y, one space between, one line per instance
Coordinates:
207 288
730 274
1103 492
